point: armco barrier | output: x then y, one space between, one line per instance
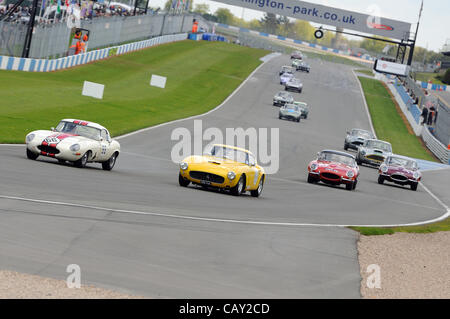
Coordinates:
415 111
279 37
44 65
435 146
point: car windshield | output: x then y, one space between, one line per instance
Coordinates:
379 145
334 157
229 153
287 69
361 133
404 162
78 129
291 107
284 94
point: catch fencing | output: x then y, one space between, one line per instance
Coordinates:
52 40
442 126
436 147
46 65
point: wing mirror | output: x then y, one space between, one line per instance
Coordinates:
52 129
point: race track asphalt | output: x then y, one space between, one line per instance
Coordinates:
208 246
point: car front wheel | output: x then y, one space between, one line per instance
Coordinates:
414 186
182 181
109 164
81 163
239 188
349 186
31 155
380 179
311 180
257 192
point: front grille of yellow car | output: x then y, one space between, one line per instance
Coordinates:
377 158
48 149
213 178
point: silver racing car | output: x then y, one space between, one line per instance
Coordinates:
290 112
282 98
294 85
356 137
373 152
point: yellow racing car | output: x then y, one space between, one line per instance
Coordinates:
226 167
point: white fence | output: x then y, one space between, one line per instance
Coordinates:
435 146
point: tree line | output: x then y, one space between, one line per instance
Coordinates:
303 30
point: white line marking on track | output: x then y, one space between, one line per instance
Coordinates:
364 194
217 220
365 104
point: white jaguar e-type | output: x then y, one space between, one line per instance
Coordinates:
75 141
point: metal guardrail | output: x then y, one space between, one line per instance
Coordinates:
435 146
442 125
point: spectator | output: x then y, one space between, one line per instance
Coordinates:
430 115
424 114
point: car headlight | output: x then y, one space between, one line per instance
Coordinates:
384 168
363 152
184 166
75 147
350 174
416 175
231 176
30 137
314 166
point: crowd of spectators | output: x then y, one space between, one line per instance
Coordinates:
19 15
429 111
88 11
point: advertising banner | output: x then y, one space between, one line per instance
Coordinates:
317 13
391 68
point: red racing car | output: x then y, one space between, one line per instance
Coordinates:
400 170
334 168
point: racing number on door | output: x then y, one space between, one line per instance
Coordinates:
256 175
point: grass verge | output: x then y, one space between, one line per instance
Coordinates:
430 228
388 123
200 75
364 71
434 77
389 126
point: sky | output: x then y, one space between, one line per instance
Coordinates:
434 27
